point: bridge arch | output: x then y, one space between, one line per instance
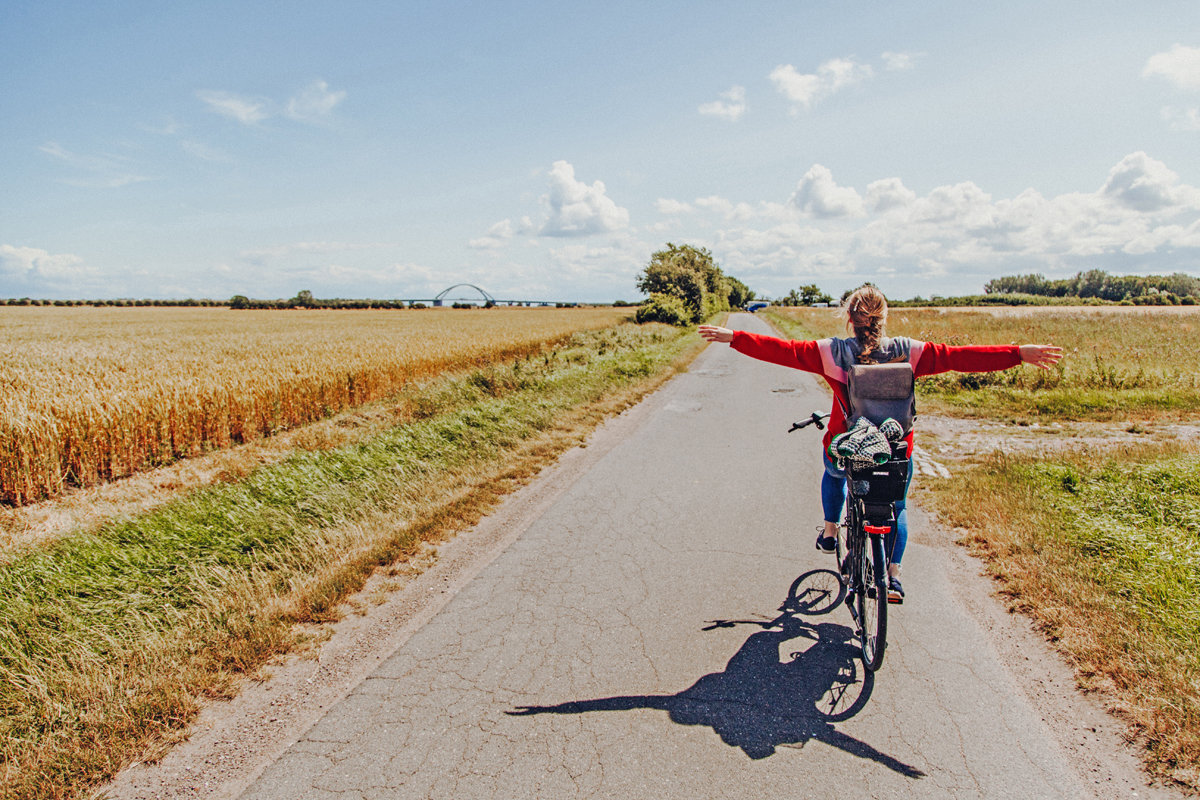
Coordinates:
438 300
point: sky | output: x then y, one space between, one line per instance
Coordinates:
544 151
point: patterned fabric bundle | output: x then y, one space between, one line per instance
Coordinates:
865 445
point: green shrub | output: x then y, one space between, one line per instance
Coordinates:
664 308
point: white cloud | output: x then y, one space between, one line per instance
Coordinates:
243 109
314 102
730 107
577 209
1180 65
1182 120
902 60
1143 218
30 267
714 203
887 194
103 172
614 263
1144 184
665 206
805 90
819 196
496 237
727 209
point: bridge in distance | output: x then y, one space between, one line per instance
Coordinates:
442 298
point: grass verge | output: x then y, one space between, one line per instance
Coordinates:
110 638
1102 550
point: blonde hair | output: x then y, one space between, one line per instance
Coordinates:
865 314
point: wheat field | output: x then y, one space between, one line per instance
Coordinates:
1127 358
92 394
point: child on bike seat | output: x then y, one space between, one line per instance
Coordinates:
865 315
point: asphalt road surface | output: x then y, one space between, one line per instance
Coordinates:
629 644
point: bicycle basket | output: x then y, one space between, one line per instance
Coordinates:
880 483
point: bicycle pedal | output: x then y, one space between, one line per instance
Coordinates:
872 593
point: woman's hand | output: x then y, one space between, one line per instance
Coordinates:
714 333
1041 355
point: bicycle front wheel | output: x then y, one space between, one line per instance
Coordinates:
873 605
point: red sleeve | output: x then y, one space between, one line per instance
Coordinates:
785 352
937 358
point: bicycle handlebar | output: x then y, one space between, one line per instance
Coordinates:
815 419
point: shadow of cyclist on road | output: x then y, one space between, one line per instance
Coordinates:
787 685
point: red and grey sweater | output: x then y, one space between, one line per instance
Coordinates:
823 356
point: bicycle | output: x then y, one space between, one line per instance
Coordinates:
871 499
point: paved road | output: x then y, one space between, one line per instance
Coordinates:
628 644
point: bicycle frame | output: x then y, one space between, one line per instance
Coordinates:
871 498
864 569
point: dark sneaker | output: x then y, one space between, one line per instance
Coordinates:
827 544
895 591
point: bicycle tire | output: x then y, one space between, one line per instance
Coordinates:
872 604
816 592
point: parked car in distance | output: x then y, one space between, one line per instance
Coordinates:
756 305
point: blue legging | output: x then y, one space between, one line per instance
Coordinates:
833 498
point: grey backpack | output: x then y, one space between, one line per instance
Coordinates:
880 391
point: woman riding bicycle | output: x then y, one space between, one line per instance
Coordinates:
865 314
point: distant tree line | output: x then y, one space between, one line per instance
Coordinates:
1132 289
686 286
123 302
305 299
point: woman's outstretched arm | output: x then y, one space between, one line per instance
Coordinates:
715 333
1041 355
936 358
803 355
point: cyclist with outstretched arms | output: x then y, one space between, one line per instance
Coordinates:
865 314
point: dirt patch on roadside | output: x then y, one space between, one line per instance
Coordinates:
952 440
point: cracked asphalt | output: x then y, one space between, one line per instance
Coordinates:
630 643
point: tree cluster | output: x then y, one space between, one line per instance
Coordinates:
305 299
686 286
1137 289
805 296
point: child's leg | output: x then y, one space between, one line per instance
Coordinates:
897 540
833 497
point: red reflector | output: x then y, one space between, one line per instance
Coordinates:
877 530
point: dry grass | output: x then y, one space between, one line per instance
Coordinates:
94 394
1102 549
1119 361
114 635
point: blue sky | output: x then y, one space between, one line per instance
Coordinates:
376 149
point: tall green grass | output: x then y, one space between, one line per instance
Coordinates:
1103 549
107 639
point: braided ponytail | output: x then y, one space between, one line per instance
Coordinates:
865 313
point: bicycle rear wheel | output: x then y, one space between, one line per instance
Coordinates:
872 604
